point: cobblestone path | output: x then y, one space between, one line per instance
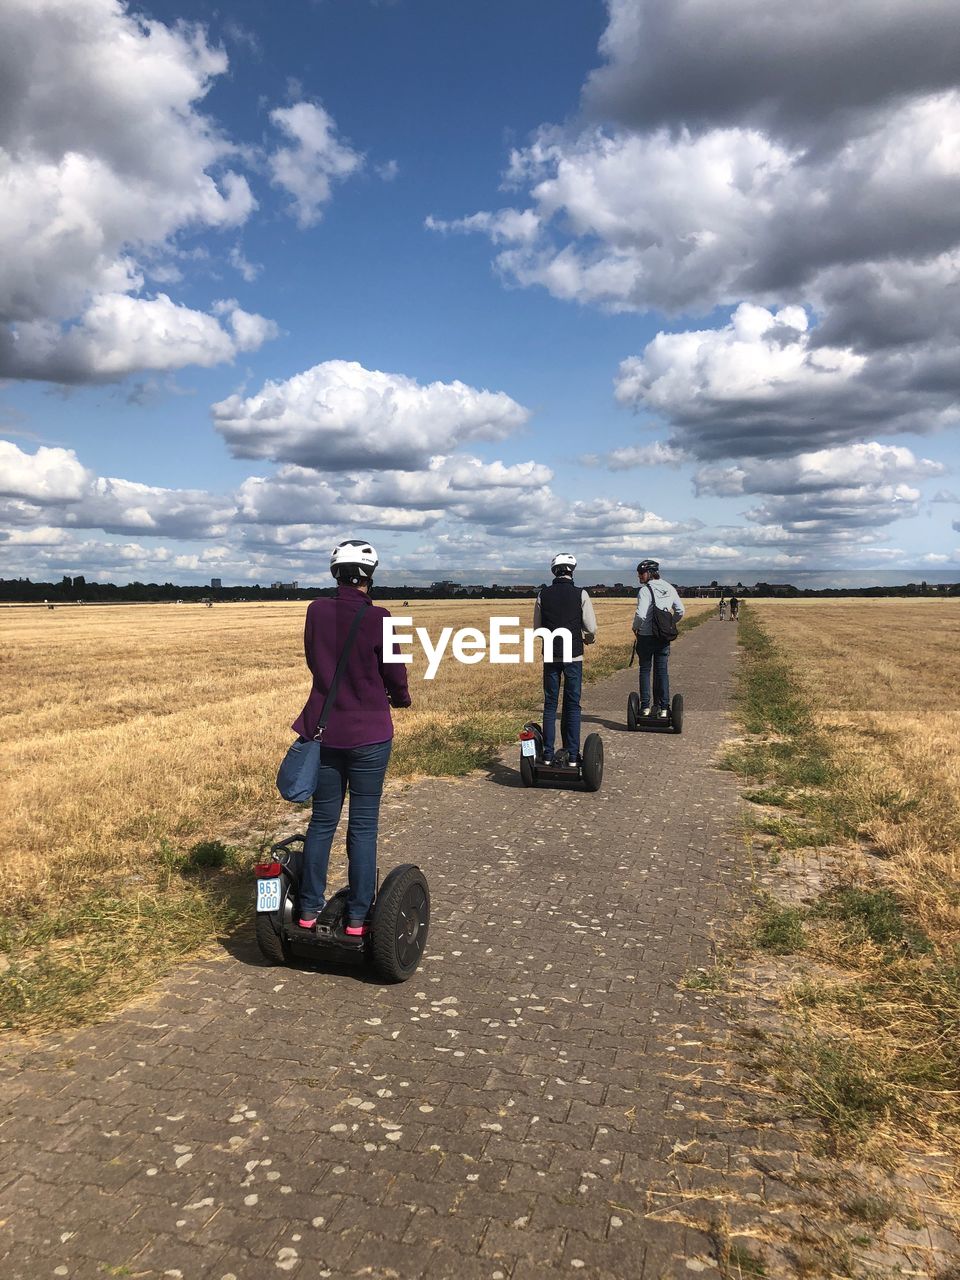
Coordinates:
502 1115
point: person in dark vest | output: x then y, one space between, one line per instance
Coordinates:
563 605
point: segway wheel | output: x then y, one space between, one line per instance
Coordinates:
269 941
528 775
633 710
401 920
593 762
676 713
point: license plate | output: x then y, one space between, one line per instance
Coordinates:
268 894
528 747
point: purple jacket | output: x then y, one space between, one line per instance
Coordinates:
361 713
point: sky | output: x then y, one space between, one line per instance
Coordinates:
479 283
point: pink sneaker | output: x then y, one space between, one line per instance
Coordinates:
356 930
307 924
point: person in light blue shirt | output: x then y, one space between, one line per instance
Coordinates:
652 652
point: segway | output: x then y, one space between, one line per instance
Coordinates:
533 770
398 923
673 722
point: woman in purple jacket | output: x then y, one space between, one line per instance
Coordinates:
357 737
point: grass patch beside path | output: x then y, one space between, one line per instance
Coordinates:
79 963
875 1054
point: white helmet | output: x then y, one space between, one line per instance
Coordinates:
563 563
355 555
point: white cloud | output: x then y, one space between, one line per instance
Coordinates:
829 511
105 158
793 68
685 221
38 536
760 386
248 270
627 458
867 464
49 475
118 334
51 488
307 169
825 496
459 486
508 226
339 415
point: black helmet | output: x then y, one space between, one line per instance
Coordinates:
648 566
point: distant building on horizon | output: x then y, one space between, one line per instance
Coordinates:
216 583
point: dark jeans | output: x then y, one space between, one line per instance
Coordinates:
572 673
360 770
655 653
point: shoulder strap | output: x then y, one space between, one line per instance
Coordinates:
341 663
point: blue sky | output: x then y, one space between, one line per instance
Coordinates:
479 283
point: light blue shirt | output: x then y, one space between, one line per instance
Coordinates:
666 598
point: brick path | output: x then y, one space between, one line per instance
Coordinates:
503 1114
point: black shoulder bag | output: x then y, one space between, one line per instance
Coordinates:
300 769
663 625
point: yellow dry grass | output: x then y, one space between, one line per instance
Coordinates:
125 726
871 982
882 677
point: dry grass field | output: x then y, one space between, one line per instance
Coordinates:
883 678
132 734
128 725
853 747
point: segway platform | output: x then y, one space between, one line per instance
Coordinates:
672 724
397 928
533 770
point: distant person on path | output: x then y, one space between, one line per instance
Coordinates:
652 651
563 605
734 608
722 608
357 737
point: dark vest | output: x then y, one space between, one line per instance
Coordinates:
561 606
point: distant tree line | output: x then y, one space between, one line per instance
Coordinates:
78 590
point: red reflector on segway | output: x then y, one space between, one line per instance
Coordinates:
527 735
263 870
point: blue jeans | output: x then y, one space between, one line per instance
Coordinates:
655 653
572 673
360 770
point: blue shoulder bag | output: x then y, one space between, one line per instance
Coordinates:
300 770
